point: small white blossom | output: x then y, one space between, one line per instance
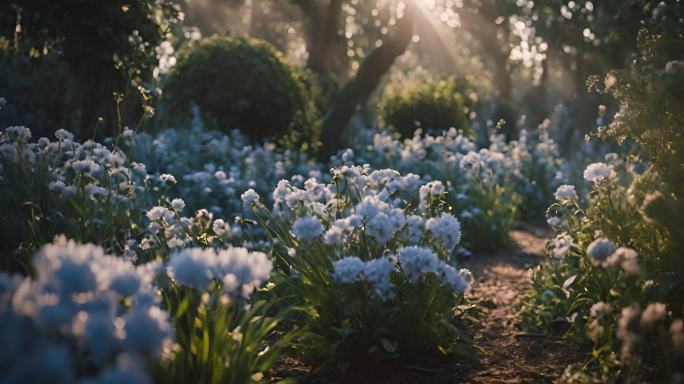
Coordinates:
597 171
156 213
565 194
348 270
168 179
307 228
178 204
599 252
221 228
446 229
249 198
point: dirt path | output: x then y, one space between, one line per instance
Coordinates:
508 354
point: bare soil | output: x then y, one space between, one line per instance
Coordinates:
505 352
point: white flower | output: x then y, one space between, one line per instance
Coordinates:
599 252
377 272
192 267
156 213
56 186
597 171
93 190
307 228
147 330
380 227
178 204
348 269
370 206
416 226
457 280
446 230
168 179
249 197
221 228
416 261
337 233
600 309
628 259
561 246
242 271
87 166
64 135
427 191
654 313
565 194
554 221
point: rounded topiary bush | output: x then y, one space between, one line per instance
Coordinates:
245 84
427 103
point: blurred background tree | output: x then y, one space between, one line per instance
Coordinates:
524 60
106 47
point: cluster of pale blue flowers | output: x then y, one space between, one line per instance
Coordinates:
238 270
90 169
414 262
83 308
528 165
381 208
214 168
604 253
377 273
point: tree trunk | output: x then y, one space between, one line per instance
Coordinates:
322 37
364 83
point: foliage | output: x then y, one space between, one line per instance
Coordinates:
245 84
628 301
432 104
108 47
85 191
486 186
214 168
37 93
369 262
222 336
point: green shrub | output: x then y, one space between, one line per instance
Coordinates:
628 301
432 104
38 93
245 84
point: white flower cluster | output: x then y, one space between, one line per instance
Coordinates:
238 270
85 180
213 169
604 253
527 165
379 207
597 172
565 194
77 294
446 229
418 261
378 196
377 273
169 229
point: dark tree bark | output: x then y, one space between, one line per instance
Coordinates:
322 38
366 80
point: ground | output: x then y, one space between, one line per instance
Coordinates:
505 352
